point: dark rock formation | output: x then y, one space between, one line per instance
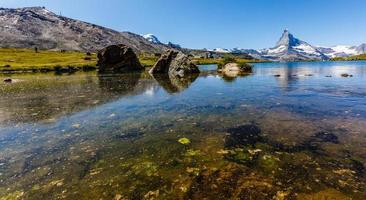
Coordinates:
174 63
243 135
345 75
7 80
118 58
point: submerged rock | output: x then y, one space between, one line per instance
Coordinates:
118 58
326 137
346 75
243 136
231 182
174 63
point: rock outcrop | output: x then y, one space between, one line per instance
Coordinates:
118 58
235 69
174 63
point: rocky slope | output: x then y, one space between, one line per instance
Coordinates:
38 27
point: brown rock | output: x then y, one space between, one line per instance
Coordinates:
118 58
174 63
235 69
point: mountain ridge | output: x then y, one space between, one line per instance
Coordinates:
32 27
37 27
290 48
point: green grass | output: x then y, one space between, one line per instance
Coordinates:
351 58
207 61
148 61
29 60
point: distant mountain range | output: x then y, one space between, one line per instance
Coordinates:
290 48
153 39
37 27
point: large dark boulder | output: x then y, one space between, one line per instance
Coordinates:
174 63
118 58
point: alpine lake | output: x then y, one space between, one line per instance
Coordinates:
285 131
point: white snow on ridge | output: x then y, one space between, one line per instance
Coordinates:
152 38
307 49
339 51
279 49
345 49
221 50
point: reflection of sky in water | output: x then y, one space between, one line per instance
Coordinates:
46 119
300 87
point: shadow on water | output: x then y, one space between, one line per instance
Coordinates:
231 78
47 97
118 84
174 84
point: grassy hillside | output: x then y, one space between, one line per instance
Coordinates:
205 61
21 60
29 60
358 57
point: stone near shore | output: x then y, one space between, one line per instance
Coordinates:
118 58
8 80
235 69
174 63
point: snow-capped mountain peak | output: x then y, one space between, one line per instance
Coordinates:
221 50
290 48
287 39
152 38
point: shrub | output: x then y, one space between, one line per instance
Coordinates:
228 59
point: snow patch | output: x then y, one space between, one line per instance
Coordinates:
152 38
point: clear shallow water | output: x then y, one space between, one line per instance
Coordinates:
287 131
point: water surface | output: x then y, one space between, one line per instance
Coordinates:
286 131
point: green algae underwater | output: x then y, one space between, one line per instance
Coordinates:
286 131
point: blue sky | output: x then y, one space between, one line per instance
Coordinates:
225 23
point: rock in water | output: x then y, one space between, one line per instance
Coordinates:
118 58
174 63
235 69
